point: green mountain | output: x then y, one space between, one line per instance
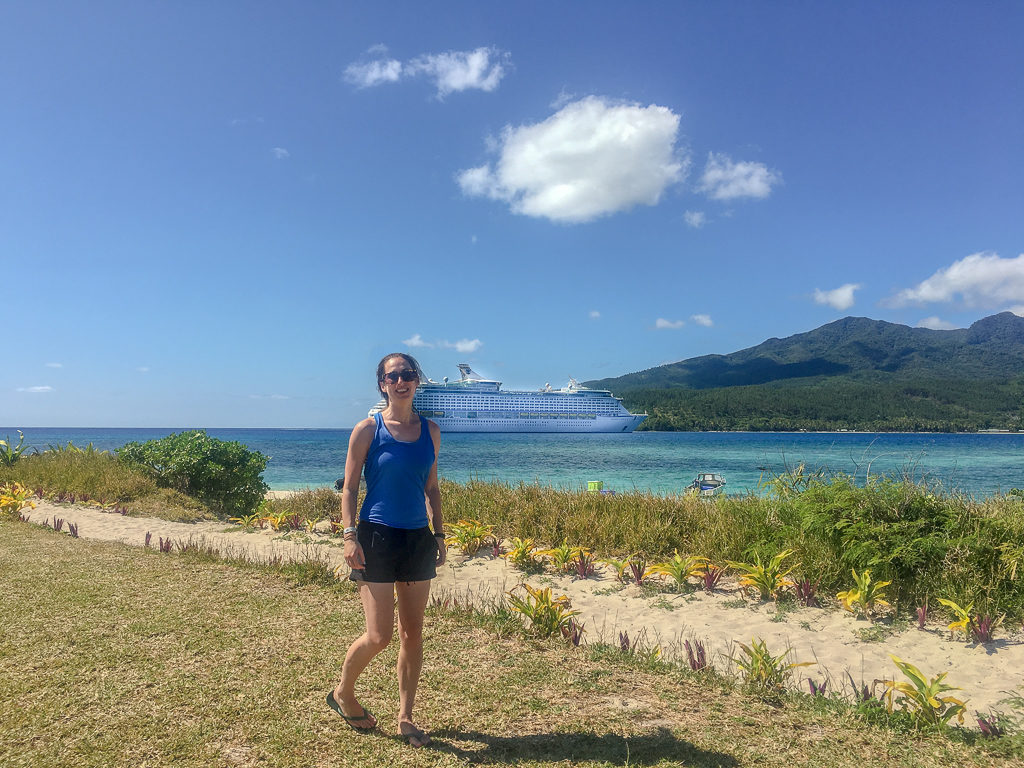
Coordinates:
854 373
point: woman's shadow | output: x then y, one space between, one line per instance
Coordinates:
649 748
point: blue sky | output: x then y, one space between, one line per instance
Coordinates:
223 214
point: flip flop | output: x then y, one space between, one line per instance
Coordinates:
333 704
415 733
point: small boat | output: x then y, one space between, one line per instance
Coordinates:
707 483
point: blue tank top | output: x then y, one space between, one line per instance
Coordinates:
396 476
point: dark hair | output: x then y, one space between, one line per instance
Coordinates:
409 359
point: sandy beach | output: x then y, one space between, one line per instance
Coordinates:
836 642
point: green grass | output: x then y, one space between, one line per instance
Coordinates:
115 656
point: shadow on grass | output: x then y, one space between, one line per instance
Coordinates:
645 749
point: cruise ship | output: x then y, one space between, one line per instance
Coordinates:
476 404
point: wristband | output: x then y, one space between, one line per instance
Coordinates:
440 535
349 529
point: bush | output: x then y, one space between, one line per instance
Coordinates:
227 476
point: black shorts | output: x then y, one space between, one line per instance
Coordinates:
396 554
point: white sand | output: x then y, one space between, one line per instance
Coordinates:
825 636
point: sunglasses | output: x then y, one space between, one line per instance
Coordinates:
407 375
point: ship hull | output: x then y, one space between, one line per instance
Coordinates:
605 425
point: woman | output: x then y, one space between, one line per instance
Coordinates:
392 551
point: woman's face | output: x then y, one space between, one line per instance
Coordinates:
394 384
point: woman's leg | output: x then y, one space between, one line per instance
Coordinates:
412 603
379 610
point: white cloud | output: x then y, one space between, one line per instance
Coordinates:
695 219
416 341
983 280
838 298
373 73
725 180
591 158
465 346
1018 310
281 153
935 324
454 71
594 314
143 369
663 324
55 365
45 388
704 320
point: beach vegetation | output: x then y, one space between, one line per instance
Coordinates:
522 554
710 575
638 568
546 615
14 497
469 535
806 591
763 671
924 699
680 569
560 557
975 627
619 566
10 453
225 475
768 577
583 563
865 596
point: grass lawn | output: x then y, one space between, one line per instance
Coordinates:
115 656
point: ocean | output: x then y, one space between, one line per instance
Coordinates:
662 462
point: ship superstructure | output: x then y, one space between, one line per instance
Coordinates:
476 404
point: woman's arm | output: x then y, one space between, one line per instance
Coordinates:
358 447
433 494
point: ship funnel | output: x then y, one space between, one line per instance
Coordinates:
468 374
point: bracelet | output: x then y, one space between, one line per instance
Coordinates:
349 529
440 535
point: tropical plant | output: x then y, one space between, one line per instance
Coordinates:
977 628
806 591
583 563
251 520
9 454
547 615
710 575
922 614
769 579
638 565
696 655
522 554
680 568
469 535
764 671
922 698
619 566
14 497
865 596
560 556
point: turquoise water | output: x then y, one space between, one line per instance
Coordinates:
662 462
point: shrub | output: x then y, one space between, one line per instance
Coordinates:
225 475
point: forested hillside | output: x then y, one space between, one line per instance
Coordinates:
854 373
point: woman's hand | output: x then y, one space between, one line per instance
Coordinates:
354 554
442 550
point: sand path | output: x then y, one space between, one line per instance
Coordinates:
833 639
